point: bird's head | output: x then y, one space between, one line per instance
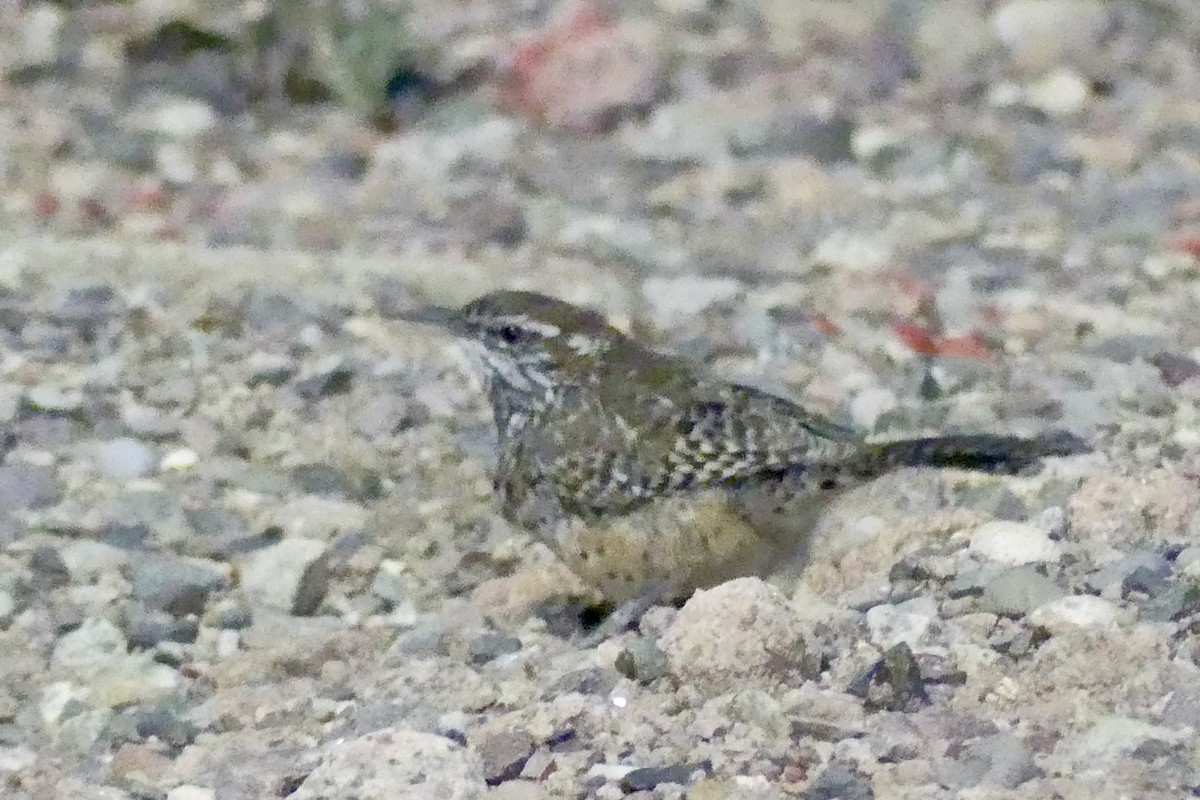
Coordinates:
526 343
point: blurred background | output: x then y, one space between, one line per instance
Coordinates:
747 138
241 525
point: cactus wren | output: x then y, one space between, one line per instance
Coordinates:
645 476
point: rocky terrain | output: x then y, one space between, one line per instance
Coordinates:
247 543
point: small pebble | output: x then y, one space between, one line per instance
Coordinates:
642 661
1076 611
646 779
503 754
291 575
125 459
53 400
1018 591
1013 543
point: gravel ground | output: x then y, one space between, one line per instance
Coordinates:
247 542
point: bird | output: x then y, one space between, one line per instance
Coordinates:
650 478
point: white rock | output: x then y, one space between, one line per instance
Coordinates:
182 118
1062 93
853 252
1112 737
55 697
8 607
870 404
675 298
911 622
15 759
176 163
189 792
1013 543
86 559
1076 611
42 26
89 645
395 764
1041 34
54 399
179 460
1188 562
125 458
94 653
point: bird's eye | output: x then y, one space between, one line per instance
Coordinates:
511 334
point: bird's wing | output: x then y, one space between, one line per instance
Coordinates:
621 454
730 432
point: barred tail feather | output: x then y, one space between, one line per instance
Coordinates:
1001 455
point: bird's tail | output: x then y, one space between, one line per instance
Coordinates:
997 455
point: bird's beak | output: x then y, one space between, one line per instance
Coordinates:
449 319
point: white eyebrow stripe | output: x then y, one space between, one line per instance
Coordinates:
541 328
583 344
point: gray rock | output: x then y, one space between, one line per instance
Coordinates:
642 661
894 682
125 459
147 627
175 585
647 778
48 568
1018 591
8 607
322 479
385 414
164 721
491 645
1177 600
85 307
269 368
388 584
46 341
503 753
47 432
229 614
11 529
993 498
826 139
1000 760
25 486
220 532
1174 368
822 730
330 376
839 781
273 315
1141 570
146 422
970 582
292 576
598 681
125 537
1025 642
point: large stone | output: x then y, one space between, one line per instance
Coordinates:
739 634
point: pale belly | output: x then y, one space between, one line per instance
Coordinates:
678 544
